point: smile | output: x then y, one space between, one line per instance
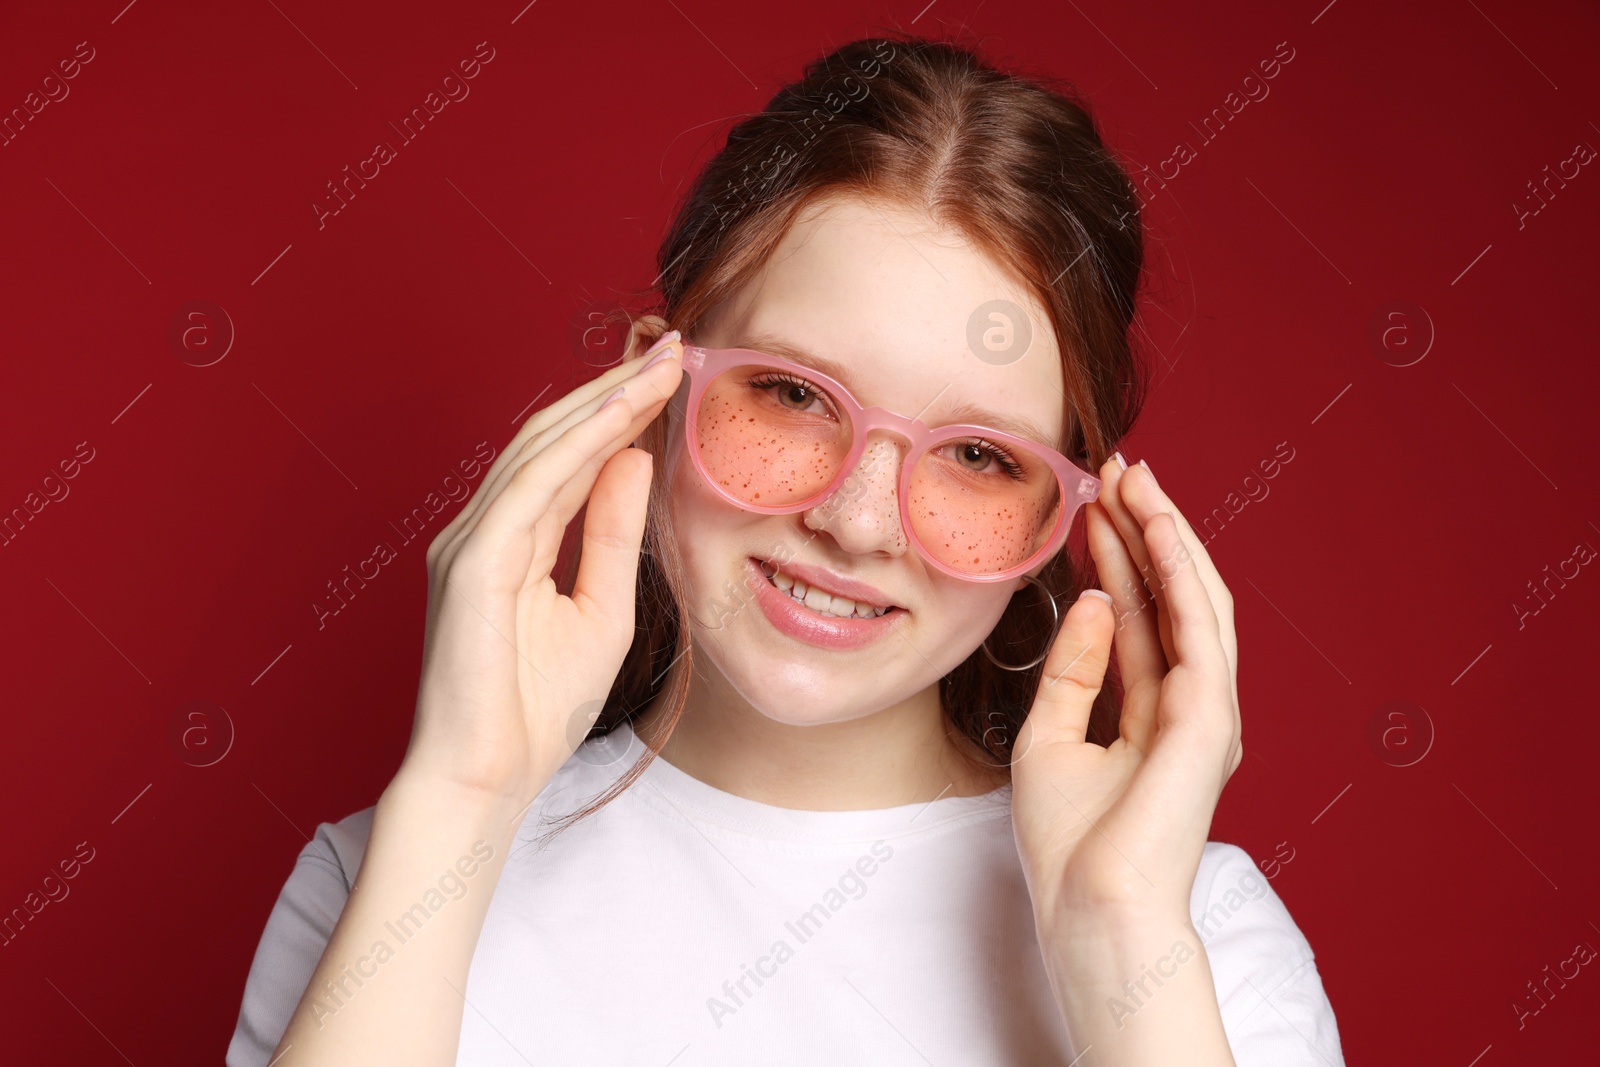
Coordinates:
809 614
838 607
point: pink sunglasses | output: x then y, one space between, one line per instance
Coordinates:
987 525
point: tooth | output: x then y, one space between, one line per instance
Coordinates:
825 603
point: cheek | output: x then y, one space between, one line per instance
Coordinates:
972 606
708 530
953 619
958 616
695 508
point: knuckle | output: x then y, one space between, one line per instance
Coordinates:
1085 671
524 475
606 541
470 565
438 546
1080 681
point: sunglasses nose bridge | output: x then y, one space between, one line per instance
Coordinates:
879 424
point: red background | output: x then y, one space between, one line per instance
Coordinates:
374 354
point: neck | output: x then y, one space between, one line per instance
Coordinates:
906 753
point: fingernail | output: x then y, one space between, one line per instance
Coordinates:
1148 471
1101 593
614 395
661 348
1120 461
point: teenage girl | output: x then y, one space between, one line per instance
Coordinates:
811 751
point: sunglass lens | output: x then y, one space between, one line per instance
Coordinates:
769 438
980 507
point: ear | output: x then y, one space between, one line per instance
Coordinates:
642 334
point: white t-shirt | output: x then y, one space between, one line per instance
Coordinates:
681 924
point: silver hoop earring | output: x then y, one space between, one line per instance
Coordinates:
1055 621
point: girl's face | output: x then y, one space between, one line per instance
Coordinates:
876 289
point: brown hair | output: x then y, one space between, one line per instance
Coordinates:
1014 163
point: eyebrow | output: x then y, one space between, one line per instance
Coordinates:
1016 425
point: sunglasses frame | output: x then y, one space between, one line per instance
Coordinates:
703 365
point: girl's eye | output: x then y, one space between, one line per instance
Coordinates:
981 457
794 394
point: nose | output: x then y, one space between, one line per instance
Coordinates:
863 514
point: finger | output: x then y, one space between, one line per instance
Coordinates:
1144 499
575 483
597 388
1074 672
524 508
647 394
638 381
1136 642
613 531
1197 739
1195 631
1113 478
558 415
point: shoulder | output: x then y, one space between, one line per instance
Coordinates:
340 845
326 867
296 932
1274 1008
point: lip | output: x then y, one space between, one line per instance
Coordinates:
836 585
803 624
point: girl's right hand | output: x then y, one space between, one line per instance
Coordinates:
507 661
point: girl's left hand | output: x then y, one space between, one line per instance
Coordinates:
1117 833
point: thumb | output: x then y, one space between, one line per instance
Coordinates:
613 530
1074 672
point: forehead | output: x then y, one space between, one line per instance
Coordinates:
910 314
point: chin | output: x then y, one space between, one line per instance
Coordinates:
801 688
791 713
